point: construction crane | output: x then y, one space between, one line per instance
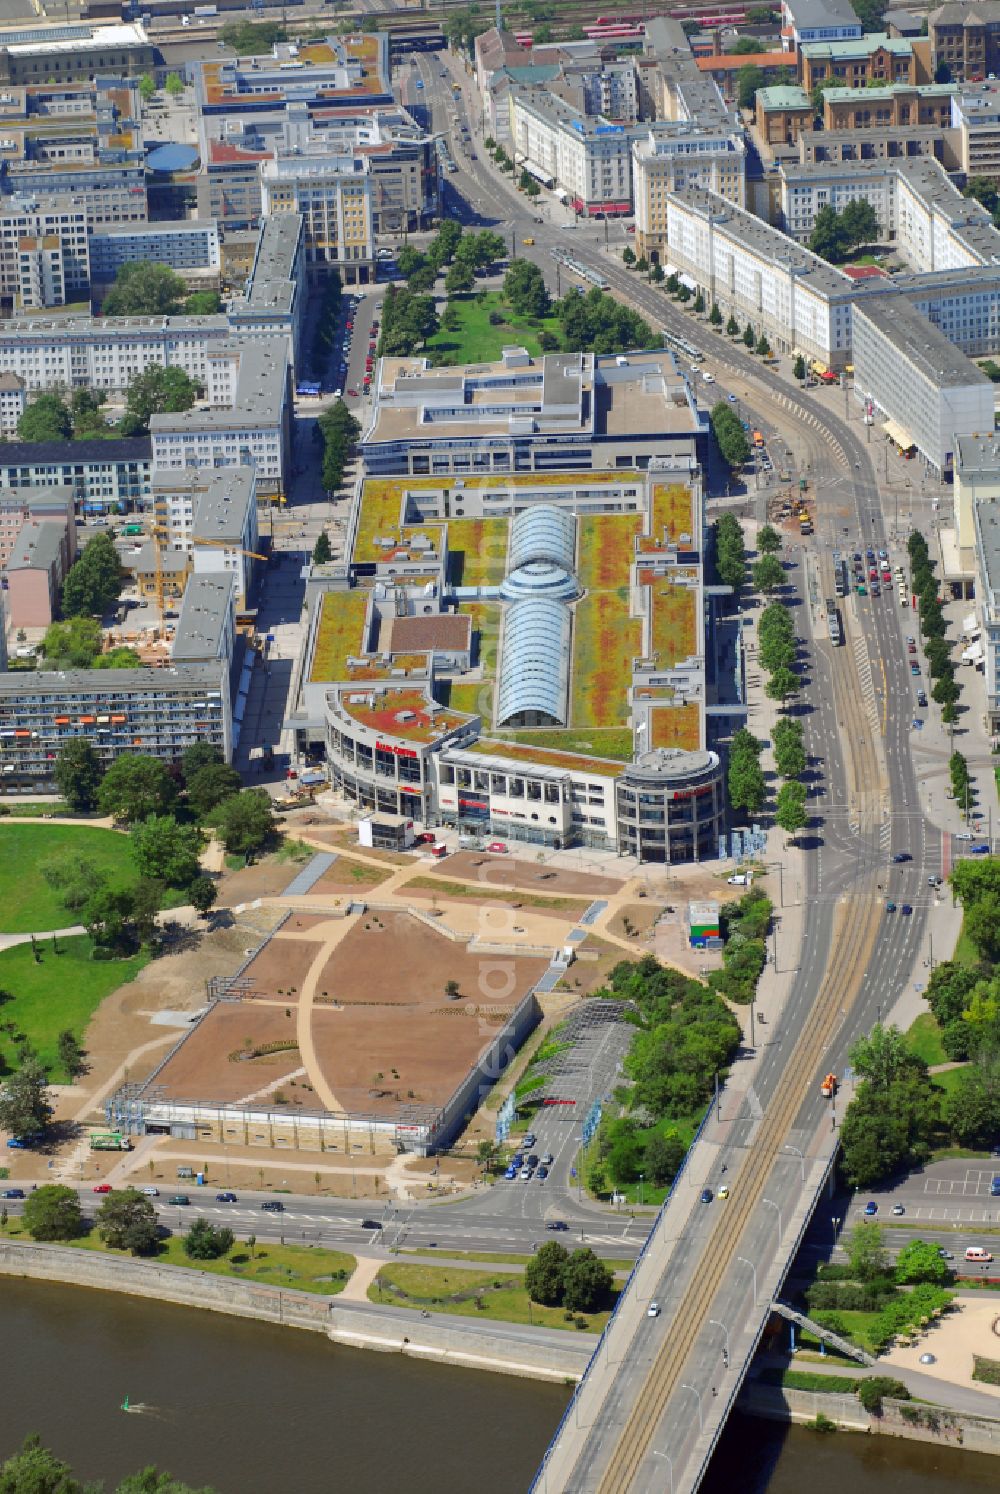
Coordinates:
158 535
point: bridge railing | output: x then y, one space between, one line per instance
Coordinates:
538 1481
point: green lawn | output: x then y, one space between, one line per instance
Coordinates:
949 1079
477 340
966 952
924 1039
57 992
503 1298
612 741
27 903
306 1268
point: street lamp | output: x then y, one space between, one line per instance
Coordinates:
788 1147
670 1466
716 1324
774 1206
641 1176
743 1261
836 1225
697 1397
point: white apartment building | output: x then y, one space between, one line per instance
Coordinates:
588 158
11 404
925 387
41 278
211 515
108 353
755 273
248 419
986 518
806 190
975 119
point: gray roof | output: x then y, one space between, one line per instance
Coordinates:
977 456
986 516
919 341
205 611
75 453
271 286
260 390
534 670
38 546
221 513
807 14
109 684
153 229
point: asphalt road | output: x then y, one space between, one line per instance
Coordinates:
848 856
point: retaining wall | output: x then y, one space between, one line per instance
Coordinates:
916 1422
542 1355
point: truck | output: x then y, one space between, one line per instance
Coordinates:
110 1141
829 1087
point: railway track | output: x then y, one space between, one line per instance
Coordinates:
855 930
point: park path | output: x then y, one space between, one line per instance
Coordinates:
362 1277
303 1012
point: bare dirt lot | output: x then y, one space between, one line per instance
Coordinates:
421 1059
202 1069
508 871
263 879
281 966
392 958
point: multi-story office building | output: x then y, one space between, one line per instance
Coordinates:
877 58
965 39
100 476
561 411
211 515
44 258
34 51
247 422
188 246
157 712
333 196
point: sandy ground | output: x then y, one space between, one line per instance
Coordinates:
973 1329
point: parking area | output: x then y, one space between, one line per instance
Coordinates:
956 1191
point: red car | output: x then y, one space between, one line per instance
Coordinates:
497 847
102 1188
353 393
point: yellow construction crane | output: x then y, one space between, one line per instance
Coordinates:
157 534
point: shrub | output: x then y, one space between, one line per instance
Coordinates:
873 1391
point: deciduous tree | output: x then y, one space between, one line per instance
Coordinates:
127 1221
78 773
52 1212
25 1108
134 787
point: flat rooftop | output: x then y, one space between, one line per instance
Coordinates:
923 344
399 712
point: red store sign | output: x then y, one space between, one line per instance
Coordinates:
398 751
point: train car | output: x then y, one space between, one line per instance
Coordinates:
833 623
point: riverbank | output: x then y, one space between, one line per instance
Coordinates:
915 1422
500 1348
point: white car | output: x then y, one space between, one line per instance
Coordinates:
149 1191
708 378
653 1310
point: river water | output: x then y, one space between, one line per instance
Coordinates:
253 1409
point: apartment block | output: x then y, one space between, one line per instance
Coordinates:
74 352
210 515
986 518
99 476
590 159
758 275
11 404
34 572
44 254
188 246
247 422
674 156
915 377
275 297
53 505
817 21
157 712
